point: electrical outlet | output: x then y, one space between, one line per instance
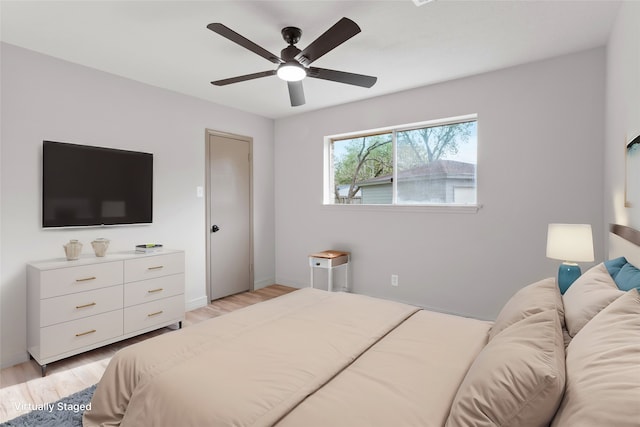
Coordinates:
394 280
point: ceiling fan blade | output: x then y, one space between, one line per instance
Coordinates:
246 77
342 77
342 31
296 93
228 33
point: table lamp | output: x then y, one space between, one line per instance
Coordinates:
569 243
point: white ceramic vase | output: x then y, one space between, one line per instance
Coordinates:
72 249
100 246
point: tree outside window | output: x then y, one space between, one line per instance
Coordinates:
431 164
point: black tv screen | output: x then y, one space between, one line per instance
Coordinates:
91 186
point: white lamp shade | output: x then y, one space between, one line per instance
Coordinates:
570 242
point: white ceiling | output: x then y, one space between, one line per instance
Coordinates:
167 44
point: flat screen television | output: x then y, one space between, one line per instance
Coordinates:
93 186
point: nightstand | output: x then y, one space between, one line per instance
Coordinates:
330 260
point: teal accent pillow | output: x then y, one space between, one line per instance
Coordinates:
628 278
614 266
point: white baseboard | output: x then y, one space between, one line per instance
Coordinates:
196 303
264 283
292 283
14 359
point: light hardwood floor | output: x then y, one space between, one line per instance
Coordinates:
22 384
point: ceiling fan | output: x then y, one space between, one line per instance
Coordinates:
293 63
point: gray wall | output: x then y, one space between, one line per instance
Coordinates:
540 133
46 98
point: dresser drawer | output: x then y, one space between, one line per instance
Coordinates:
63 281
82 304
153 289
153 313
68 336
150 267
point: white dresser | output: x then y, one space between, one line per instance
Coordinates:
75 306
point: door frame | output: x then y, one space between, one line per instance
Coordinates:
207 194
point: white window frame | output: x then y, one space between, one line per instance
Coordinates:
328 178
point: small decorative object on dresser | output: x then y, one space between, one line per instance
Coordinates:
98 301
149 248
100 246
72 250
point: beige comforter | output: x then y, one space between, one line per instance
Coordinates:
246 368
409 378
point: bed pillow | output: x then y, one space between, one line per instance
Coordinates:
534 298
603 369
589 294
614 266
628 278
517 379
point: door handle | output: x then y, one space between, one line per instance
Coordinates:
214 228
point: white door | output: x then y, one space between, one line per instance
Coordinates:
229 215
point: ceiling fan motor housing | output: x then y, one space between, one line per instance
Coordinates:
289 53
291 34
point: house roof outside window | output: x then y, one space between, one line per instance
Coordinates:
439 169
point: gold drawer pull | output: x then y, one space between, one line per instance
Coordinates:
155 314
155 290
157 267
85 333
86 305
86 279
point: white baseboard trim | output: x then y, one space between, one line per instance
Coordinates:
264 283
14 359
196 303
292 283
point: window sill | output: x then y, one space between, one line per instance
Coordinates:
442 209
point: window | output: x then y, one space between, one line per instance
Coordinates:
428 164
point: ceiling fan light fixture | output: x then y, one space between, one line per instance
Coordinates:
291 72
293 64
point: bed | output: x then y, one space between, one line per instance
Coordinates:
317 358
